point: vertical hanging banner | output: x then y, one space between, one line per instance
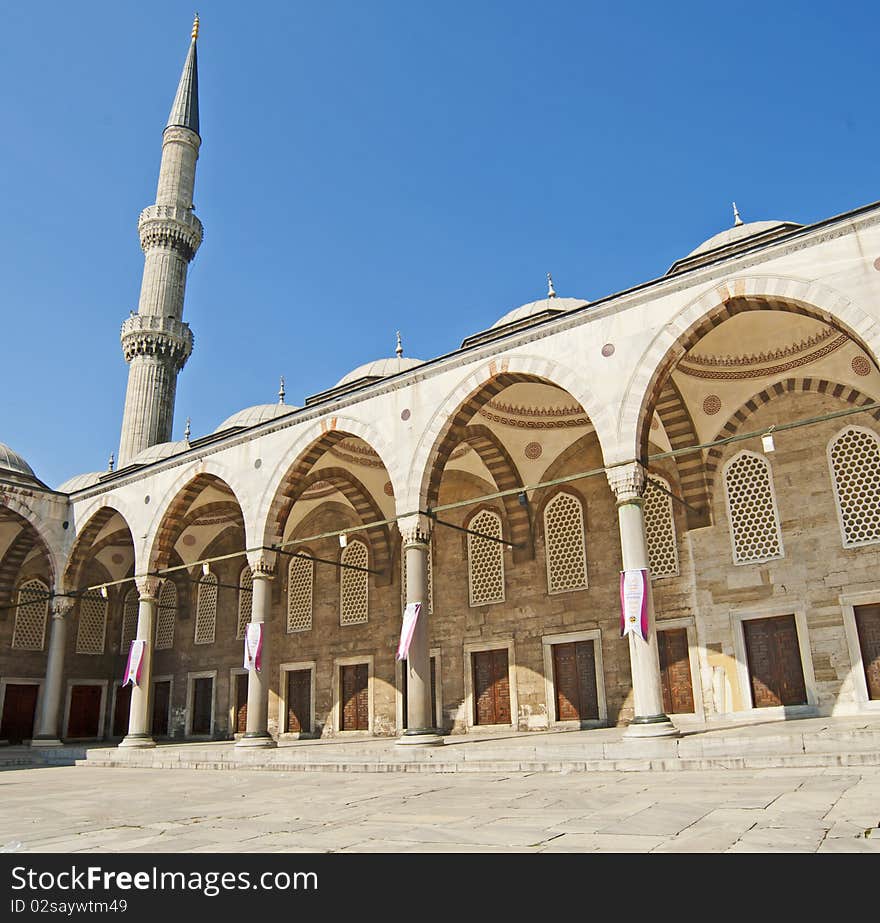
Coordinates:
410 617
634 603
253 647
134 663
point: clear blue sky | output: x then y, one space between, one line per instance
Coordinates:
368 167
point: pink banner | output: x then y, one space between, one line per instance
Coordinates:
134 663
253 647
410 617
634 603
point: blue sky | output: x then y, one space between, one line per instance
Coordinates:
369 167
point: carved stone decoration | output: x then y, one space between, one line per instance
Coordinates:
533 450
861 366
262 564
61 606
711 404
627 482
170 226
148 335
148 586
415 529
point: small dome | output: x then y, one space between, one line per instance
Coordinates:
379 368
557 305
12 461
251 416
740 233
80 482
157 452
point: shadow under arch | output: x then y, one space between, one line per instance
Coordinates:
82 554
14 556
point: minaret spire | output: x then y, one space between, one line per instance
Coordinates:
156 342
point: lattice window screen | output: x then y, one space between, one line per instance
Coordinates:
92 624
751 506
245 600
300 582
660 530
854 458
485 560
565 546
206 610
430 576
129 620
166 616
29 633
354 602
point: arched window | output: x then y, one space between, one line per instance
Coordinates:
485 560
206 610
129 620
854 460
166 616
430 566
564 544
31 613
92 624
245 600
751 506
300 584
660 529
354 600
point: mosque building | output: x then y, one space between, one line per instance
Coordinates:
694 461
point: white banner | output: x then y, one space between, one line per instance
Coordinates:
134 664
410 617
253 647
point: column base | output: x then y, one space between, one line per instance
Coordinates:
138 741
47 742
256 739
420 737
643 726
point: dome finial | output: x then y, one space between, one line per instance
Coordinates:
111 463
551 292
737 221
187 431
195 31
399 350
281 391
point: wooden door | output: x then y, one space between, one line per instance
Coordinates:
161 704
121 711
241 697
675 671
403 690
84 717
299 701
354 701
203 694
574 681
19 712
491 687
868 627
774 660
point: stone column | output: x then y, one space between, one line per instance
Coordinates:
139 730
628 484
257 728
421 730
49 724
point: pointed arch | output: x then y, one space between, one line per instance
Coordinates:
82 554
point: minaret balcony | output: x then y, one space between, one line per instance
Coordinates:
170 226
151 335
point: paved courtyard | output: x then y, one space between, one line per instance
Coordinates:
94 809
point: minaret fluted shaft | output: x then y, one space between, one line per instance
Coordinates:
156 342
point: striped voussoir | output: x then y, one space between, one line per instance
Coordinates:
82 553
12 560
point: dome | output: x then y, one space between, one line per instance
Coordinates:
80 482
379 368
740 233
12 461
533 308
251 416
157 452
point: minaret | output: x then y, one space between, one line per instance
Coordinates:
156 342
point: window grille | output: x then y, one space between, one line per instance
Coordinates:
751 506
129 620
29 633
854 459
354 594
660 529
245 600
429 565
564 544
92 624
485 560
166 616
206 610
300 582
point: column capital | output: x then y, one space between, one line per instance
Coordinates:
61 606
262 563
627 482
148 586
415 529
